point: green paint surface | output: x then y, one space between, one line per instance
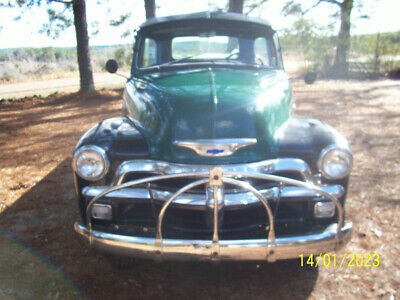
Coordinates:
211 103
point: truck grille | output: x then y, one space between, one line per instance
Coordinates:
172 185
139 219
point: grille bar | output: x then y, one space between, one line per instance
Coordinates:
216 178
164 168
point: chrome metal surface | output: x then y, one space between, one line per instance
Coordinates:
215 239
216 183
216 178
103 155
247 186
215 147
324 210
164 168
99 208
193 201
166 204
308 185
255 249
326 151
210 195
137 182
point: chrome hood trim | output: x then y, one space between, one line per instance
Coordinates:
215 147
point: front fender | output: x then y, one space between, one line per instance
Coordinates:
120 139
305 139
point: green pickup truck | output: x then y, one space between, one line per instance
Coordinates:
206 161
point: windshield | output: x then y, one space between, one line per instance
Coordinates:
207 47
213 47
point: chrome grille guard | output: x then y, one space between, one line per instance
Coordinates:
215 180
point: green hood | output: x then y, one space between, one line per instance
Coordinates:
211 103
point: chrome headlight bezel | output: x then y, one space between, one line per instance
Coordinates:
103 158
324 154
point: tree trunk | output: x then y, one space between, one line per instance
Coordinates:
82 42
236 6
341 66
150 6
376 60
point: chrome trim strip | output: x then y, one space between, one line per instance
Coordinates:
164 168
216 147
256 249
193 201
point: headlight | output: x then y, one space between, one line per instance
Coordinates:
91 163
335 163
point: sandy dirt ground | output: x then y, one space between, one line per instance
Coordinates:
43 88
41 257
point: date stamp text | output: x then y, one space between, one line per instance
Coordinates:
347 260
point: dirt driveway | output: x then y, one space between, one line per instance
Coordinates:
50 86
40 256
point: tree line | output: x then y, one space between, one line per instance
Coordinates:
58 21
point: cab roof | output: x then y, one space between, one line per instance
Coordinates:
203 17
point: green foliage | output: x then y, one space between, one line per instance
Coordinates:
35 63
47 54
304 39
251 5
316 49
60 15
120 21
389 44
292 8
123 55
58 21
6 76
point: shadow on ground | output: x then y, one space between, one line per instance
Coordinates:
42 220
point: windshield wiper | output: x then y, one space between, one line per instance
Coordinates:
239 62
213 61
177 60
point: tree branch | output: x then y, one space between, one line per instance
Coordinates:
319 2
310 8
120 21
254 6
333 2
62 1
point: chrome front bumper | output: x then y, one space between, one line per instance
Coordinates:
270 248
257 250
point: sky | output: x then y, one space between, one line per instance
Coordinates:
25 31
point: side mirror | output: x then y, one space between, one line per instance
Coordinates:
310 77
111 66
